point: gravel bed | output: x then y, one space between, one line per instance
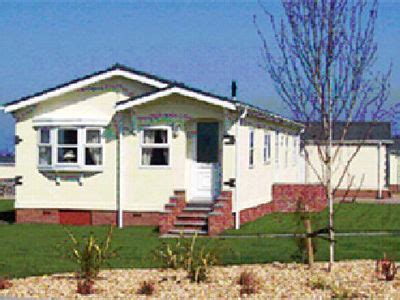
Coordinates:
355 279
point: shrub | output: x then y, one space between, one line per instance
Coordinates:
89 254
385 269
186 254
318 283
5 284
85 287
249 283
146 288
171 256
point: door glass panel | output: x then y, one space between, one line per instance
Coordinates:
207 142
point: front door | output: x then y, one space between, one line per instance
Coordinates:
206 168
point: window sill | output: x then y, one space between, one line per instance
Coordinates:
71 169
155 167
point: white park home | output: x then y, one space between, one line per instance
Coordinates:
368 174
114 146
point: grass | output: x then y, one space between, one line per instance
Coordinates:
349 217
35 249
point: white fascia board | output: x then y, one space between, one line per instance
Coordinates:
83 83
70 122
180 91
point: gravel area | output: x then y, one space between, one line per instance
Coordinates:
355 279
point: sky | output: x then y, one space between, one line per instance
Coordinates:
205 44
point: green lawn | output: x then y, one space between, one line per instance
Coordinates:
37 249
349 217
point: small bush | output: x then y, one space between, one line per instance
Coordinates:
5 284
146 288
249 283
186 254
386 269
85 287
171 256
318 283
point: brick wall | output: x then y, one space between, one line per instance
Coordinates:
394 188
221 217
288 198
172 209
42 216
369 194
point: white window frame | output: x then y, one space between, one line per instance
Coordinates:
81 145
286 151
251 147
267 148
142 146
49 144
277 148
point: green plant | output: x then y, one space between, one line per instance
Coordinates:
89 254
171 256
249 283
146 288
318 283
186 254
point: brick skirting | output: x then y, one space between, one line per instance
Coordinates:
288 198
370 194
394 188
75 217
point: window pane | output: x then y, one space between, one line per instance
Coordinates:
207 142
45 156
67 155
93 136
67 136
45 136
93 156
155 136
251 157
155 156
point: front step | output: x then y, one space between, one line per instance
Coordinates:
206 209
187 232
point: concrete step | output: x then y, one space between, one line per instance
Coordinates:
197 209
192 215
190 223
188 232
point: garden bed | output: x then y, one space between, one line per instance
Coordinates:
349 278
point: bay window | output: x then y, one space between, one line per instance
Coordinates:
70 148
155 146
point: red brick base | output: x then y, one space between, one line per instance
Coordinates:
394 188
80 217
288 198
370 194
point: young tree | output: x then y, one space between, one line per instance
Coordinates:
321 59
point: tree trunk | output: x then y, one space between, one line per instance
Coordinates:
310 248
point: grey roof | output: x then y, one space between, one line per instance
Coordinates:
357 131
7 159
171 83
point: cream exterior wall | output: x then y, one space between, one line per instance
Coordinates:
362 172
7 171
256 181
394 168
149 188
98 191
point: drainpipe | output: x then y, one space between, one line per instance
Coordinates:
379 170
119 173
237 168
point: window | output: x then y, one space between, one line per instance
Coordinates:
286 151
70 148
45 149
155 148
251 148
277 147
267 148
295 150
67 146
93 148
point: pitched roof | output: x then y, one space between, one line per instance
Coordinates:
357 131
160 83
